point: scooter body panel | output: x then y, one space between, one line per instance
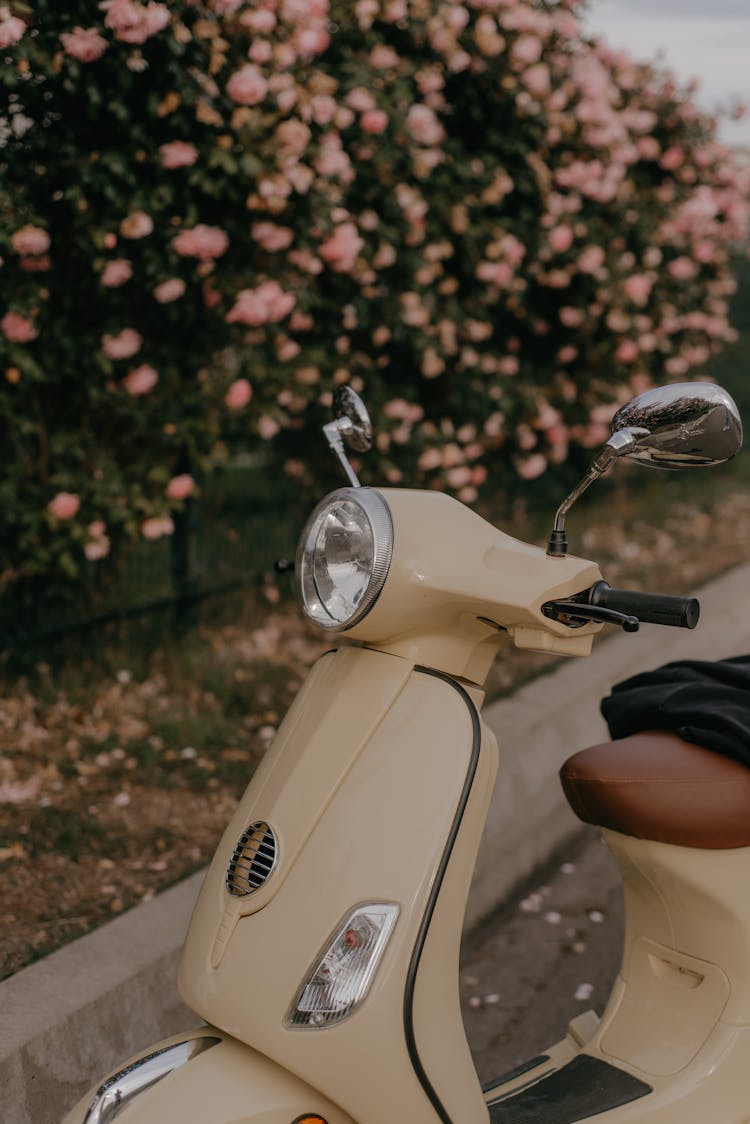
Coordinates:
679 1013
394 776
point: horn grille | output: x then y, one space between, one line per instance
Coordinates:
253 860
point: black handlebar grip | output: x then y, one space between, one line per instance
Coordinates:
653 608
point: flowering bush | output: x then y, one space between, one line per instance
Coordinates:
214 210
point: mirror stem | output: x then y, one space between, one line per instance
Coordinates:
333 431
619 444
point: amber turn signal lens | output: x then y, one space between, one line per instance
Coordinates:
309 1120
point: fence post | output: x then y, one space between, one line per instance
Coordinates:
185 567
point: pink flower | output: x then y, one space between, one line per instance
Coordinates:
288 350
332 161
170 290
536 79
266 304
136 225
84 44
64 505
123 345
430 459
591 259
134 23
374 121
267 427
458 477
178 154
672 159
11 28
360 99
495 273
342 248
310 41
294 135
226 8
260 51
306 261
526 50
272 237
704 251
424 125
301 322
239 394
97 546
382 57
638 288
247 86
96 549
262 20
432 364
572 317
532 466
17 328
682 269
116 272
157 527
180 487
627 352
202 242
561 238
30 240
140 380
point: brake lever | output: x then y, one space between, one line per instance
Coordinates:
581 613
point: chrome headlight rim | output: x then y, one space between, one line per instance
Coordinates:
378 514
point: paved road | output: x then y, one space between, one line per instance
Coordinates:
546 956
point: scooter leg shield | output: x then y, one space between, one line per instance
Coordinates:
226 1082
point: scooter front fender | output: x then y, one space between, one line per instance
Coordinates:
214 1080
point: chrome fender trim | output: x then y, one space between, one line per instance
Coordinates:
122 1087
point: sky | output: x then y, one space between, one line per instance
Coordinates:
704 39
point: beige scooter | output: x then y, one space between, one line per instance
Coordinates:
323 951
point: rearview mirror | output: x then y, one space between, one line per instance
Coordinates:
687 425
351 424
684 425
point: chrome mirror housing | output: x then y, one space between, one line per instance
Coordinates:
351 423
687 425
683 425
353 419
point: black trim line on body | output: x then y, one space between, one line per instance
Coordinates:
411 1043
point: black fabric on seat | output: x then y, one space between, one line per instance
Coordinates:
705 702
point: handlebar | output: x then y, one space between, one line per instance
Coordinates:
624 607
653 608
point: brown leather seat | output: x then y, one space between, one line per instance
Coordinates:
656 786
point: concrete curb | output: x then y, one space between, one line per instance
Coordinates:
75 1015
84 1009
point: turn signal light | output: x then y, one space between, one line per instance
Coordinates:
309 1120
340 978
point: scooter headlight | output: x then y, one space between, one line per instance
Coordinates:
343 557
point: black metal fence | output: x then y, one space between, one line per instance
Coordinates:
246 516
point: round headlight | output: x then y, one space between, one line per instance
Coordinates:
343 557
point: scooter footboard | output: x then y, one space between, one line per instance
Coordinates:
204 1077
